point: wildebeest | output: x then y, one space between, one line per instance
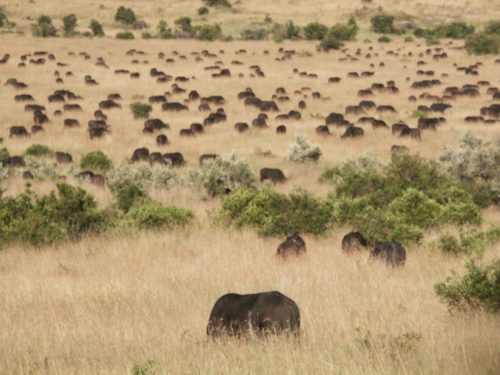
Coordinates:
152 125
399 150
207 157
260 314
353 241
71 123
18 131
63 157
392 252
14 161
353 132
294 245
241 127
174 107
176 159
140 154
274 175
281 129
322 130
161 140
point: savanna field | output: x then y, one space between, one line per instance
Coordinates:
116 240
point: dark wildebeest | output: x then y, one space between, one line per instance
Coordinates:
392 252
322 130
71 123
272 174
63 157
399 150
174 106
293 245
140 154
14 161
156 158
353 241
206 157
162 140
152 125
174 158
261 313
281 129
411 132
18 131
353 132
241 127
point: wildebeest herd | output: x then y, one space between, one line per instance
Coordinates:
234 91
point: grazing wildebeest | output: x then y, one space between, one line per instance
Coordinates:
18 131
140 154
174 158
27 175
71 123
353 241
260 314
334 119
152 125
294 245
14 161
281 129
322 130
174 106
156 158
353 132
63 157
241 127
109 104
162 140
392 252
411 133
186 133
272 174
206 157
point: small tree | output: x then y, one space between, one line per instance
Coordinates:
208 32
96 28
96 161
69 24
383 24
125 16
125 35
141 110
203 11
184 23
315 31
43 27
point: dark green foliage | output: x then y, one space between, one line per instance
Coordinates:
96 161
203 11
4 154
383 24
492 27
272 213
125 35
66 215
38 150
217 3
470 242
254 34
330 42
478 289
344 32
453 30
315 31
129 195
96 28
69 24
482 44
208 32
43 27
141 110
184 23
152 215
400 201
125 16
291 31
384 39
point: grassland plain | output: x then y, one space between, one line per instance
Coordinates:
126 302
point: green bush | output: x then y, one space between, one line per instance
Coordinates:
96 28
34 220
344 32
330 42
125 35
222 175
315 31
4 154
69 24
302 151
38 150
141 175
453 30
96 161
272 213
208 32
184 23
492 27
203 11
152 215
482 44
217 3
478 289
141 110
146 35
254 34
287 31
125 16
129 195
3 18
470 242
399 201
43 27
408 39
383 24
384 39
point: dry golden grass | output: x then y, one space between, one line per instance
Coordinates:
102 305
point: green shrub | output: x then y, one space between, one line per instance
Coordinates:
272 213
315 31
203 11
453 30
254 34
399 201
96 161
482 44
152 215
3 18
96 28
69 24
492 27
125 35
184 23
40 168
34 220
470 242
287 31
43 27
383 24
478 289
217 3
141 175
302 151
129 195
330 42
125 16
208 32
384 39
222 175
38 150
4 154
146 35
141 110
408 39
344 32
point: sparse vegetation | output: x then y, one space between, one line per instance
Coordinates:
38 150
69 24
125 35
96 28
302 151
43 27
471 242
141 110
96 161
